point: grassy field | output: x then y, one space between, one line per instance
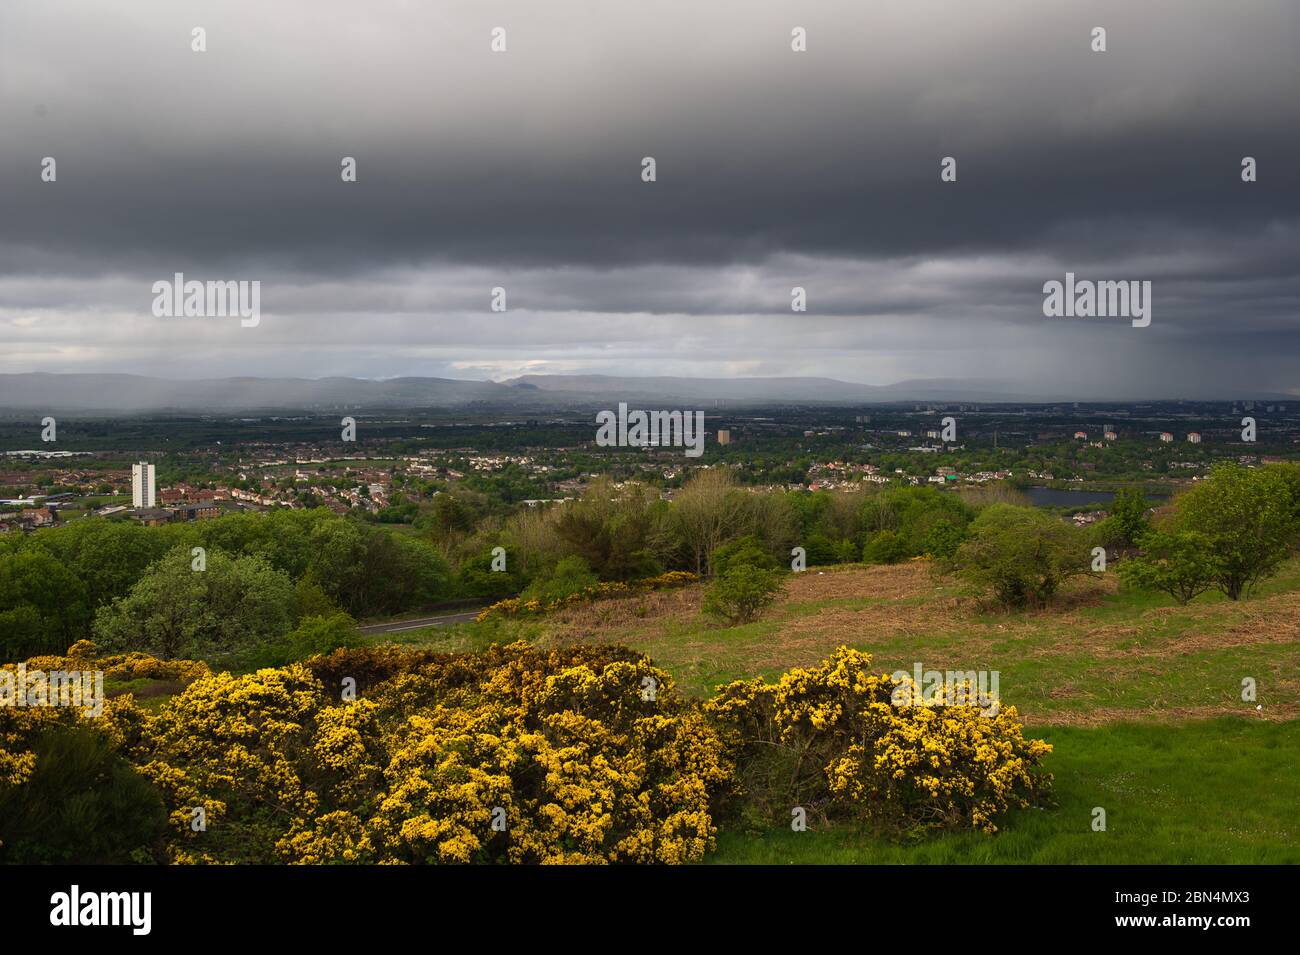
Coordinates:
1141 698
1207 792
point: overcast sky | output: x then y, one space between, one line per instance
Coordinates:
522 170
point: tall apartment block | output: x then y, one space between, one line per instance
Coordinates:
142 485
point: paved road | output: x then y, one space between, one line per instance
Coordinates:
415 623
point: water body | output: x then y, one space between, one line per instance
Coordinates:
1051 497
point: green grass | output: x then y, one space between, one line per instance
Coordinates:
460 637
1141 699
1210 792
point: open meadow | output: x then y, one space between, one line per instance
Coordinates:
1141 699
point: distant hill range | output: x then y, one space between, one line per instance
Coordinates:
127 394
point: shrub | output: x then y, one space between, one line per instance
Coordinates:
1182 564
1248 517
478 579
1020 555
81 803
521 606
942 539
747 550
585 754
313 636
570 576
742 593
310 599
822 551
884 547
831 741
918 520
1127 523
590 756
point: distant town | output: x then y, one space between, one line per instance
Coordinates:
176 469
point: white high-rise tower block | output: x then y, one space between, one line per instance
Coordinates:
142 485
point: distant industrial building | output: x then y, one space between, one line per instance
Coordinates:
196 512
1194 437
142 485
150 516
1166 436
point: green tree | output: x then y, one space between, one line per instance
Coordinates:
478 579
311 600
1248 518
1180 563
108 556
821 551
570 576
742 593
747 550
448 516
608 529
313 636
942 538
1127 521
1020 555
370 570
175 610
708 511
44 606
926 520
884 547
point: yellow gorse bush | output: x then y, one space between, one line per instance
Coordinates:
512 754
585 754
830 740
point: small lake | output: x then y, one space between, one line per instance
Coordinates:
1051 497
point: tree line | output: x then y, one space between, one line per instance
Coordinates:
287 581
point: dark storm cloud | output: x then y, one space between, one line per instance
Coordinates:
774 169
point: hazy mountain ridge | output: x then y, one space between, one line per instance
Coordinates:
107 394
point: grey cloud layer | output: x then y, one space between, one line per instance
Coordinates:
775 169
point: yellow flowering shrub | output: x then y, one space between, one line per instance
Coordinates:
19 729
512 754
584 754
118 667
242 748
830 740
20 725
67 794
124 667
